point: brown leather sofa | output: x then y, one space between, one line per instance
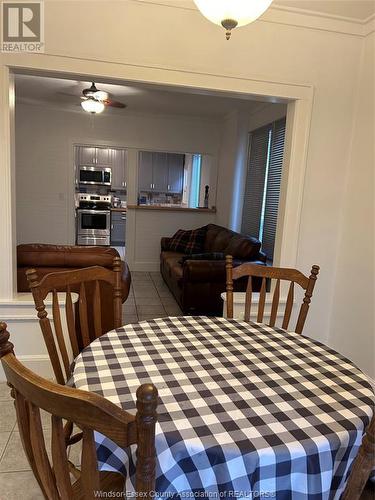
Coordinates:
197 284
53 258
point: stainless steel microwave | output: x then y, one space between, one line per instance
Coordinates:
94 175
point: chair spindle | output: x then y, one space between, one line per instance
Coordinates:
262 301
275 304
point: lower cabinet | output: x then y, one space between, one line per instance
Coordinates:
118 228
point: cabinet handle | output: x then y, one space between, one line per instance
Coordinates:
168 187
125 184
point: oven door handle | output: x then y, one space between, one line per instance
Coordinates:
100 212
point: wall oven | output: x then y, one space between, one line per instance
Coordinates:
93 227
101 176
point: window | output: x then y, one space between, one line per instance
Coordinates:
262 191
195 180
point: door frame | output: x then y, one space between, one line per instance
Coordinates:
299 98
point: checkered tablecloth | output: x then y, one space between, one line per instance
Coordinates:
244 409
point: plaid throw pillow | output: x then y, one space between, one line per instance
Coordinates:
188 241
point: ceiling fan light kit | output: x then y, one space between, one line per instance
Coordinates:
91 105
231 14
94 100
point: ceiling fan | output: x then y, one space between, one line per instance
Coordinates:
94 101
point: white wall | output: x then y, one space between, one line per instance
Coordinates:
44 159
352 329
148 226
233 159
155 42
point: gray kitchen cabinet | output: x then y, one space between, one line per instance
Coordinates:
118 164
145 171
103 156
161 172
118 228
86 155
175 172
90 155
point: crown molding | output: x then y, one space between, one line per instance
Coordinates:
292 16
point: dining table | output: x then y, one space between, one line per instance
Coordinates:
245 410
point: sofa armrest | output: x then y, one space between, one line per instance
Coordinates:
261 257
257 262
165 243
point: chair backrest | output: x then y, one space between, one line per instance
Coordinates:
81 281
90 412
268 273
363 465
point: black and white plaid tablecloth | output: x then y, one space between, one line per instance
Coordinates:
245 409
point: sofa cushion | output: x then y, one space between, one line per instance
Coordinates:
188 242
217 238
221 239
243 247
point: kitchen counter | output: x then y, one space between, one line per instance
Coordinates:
113 209
173 209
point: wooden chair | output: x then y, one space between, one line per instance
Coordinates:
278 273
89 412
80 334
363 465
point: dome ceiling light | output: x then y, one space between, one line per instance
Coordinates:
232 13
91 105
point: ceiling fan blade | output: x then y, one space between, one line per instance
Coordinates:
114 104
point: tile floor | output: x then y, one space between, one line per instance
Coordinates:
149 298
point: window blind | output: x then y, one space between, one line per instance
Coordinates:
256 172
273 187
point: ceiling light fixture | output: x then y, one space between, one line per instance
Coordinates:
232 13
91 105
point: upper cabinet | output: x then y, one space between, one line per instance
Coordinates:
145 171
119 170
161 172
175 172
103 156
89 155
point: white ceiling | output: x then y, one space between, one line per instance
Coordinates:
63 93
355 9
